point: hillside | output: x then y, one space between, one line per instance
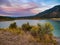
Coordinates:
50 13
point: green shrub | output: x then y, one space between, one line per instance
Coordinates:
48 28
43 31
26 27
13 26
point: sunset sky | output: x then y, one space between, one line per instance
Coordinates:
25 7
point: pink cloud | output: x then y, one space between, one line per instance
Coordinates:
28 8
22 7
36 10
39 9
4 15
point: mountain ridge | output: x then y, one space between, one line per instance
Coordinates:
48 13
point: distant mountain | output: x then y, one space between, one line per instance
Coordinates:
50 13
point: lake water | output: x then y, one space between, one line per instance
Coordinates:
56 24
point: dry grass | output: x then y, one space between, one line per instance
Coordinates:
12 37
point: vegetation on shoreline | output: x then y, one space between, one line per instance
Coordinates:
39 33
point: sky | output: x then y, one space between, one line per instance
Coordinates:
25 7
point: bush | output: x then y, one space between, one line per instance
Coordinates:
42 31
36 31
13 26
48 28
26 27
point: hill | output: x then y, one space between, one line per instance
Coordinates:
50 13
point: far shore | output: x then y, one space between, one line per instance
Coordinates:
54 19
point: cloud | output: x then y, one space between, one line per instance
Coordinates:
24 7
22 10
36 10
40 9
29 5
4 15
21 7
4 2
